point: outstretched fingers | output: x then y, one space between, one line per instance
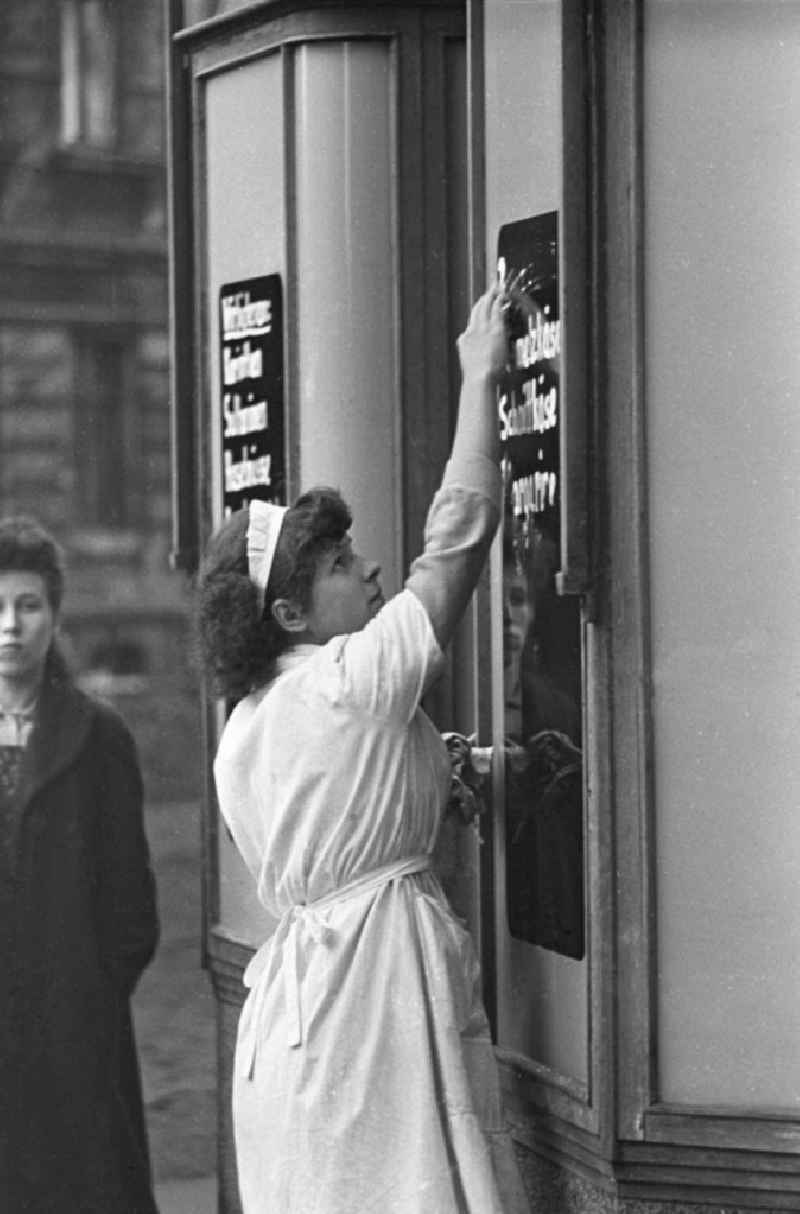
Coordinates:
490 300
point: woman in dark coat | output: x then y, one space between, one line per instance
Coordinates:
78 920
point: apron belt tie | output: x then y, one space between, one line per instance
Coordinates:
305 918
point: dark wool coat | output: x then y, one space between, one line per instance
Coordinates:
78 924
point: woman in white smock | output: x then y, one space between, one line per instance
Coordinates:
365 1077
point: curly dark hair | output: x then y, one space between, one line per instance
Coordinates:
26 546
239 638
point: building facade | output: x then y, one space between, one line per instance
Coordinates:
84 352
631 660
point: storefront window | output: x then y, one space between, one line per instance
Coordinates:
542 1014
100 439
89 73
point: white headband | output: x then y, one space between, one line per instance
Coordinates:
263 530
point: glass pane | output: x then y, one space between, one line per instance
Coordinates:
100 434
542 1011
238 194
541 630
98 72
70 74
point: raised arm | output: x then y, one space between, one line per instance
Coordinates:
466 509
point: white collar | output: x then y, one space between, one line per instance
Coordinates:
295 656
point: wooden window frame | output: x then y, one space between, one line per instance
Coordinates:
535 1095
88 341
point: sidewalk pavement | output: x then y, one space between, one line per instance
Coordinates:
174 1016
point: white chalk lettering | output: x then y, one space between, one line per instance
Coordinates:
533 493
542 340
243 317
243 419
536 413
246 473
247 365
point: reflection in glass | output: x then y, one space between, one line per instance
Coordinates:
544 801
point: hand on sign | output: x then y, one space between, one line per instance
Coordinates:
483 346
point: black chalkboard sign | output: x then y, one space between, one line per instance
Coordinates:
530 405
251 373
541 630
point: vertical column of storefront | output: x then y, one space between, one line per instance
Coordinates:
348 416
241 236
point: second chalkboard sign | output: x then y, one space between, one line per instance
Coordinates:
251 370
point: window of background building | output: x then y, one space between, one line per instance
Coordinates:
102 481
88 73
36 425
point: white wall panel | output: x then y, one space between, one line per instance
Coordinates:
722 255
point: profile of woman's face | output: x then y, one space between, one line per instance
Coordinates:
27 625
345 594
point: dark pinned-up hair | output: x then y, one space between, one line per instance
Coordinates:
239 638
26 546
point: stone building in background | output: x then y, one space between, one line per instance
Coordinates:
84 377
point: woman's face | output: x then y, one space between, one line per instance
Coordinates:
345 594
27 626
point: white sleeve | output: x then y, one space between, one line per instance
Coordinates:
385 667
461 522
